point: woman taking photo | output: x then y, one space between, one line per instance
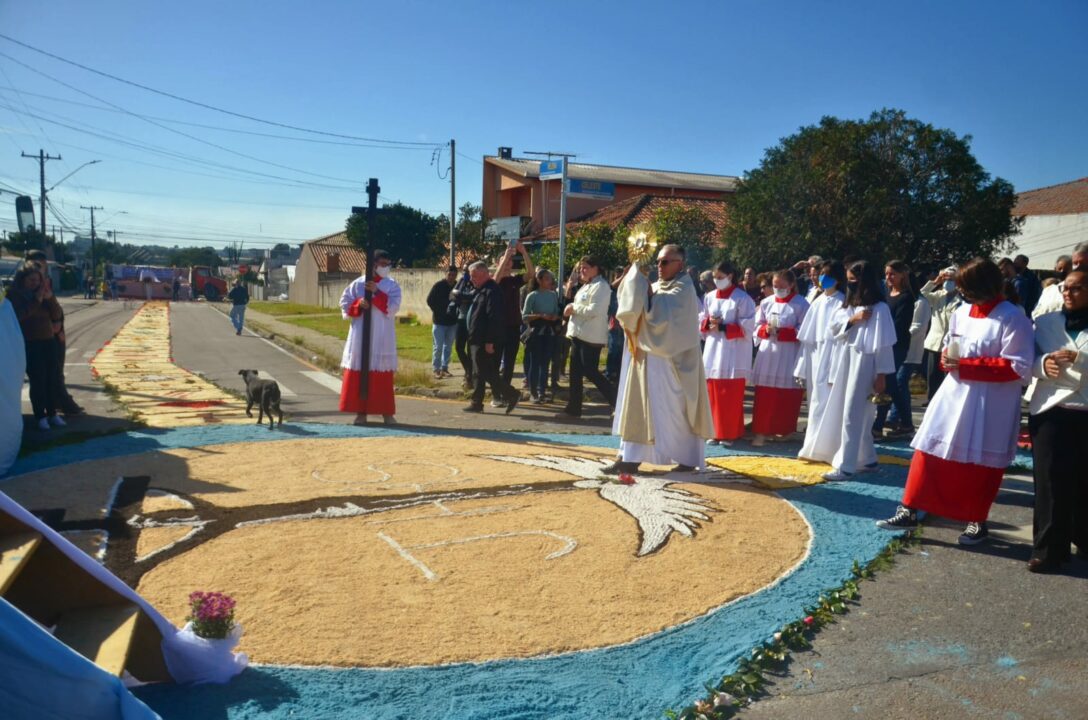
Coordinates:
727 322
968 435
39 319
587 329
777 402
813 367
541 314
900 301
865 333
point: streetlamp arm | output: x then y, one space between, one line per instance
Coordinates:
58 182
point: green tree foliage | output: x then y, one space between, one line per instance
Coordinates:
280 250
605 242
889 187
472 241
691 229
406 233
186 257
18 243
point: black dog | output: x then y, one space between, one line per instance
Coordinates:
265 394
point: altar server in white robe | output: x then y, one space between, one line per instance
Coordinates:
822 438
12 357
777 404
663 416
968 435
385 302
866 332
727 323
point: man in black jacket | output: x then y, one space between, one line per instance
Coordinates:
443 323
461 297
486 329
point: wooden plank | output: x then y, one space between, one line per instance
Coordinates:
103 635
15 550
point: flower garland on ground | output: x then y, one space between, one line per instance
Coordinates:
737 689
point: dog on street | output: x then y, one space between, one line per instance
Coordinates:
265 394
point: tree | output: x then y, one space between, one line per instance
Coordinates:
280 250
691 229
889 187
186 257
472 241
404 232
605 242
18 243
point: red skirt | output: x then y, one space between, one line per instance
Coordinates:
775 410
954 490
727 407
379 399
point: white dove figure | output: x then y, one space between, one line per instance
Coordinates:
658 509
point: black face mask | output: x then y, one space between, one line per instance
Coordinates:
852 286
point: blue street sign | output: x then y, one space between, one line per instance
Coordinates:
591 189
551 169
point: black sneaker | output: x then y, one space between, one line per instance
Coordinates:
974 534
620 467
512 403
473 409
904 519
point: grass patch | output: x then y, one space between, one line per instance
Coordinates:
280 309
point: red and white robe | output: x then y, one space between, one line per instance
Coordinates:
777 402
726 324
383 348
968 435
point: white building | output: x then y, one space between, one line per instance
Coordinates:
1055 219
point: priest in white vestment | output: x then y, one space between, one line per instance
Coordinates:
663 415
384 302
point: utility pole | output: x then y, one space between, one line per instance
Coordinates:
453 194
94 264
41 157
372 191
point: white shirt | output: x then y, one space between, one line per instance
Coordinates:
589 322
775 361
1070 388
728 359
383 341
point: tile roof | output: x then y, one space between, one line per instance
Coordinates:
1069 198
624 175
637 209
352 259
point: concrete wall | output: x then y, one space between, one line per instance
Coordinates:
415 284
1045 237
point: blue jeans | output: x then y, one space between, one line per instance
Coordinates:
443 337
900 413
237 316
539 351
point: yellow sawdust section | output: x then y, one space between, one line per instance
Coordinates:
137 363
776 473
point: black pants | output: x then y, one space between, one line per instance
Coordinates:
584 363
559 360
509 352
41 361
934 374
1060 457
62 399
487 373
464 352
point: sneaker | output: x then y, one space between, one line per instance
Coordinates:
904 519
712 441
473 409
389 420
619 467
974 533
43 424
836 475
871 467
512 403
498 404
57 421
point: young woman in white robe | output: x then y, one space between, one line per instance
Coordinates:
385 301
813 367
865 332
968 435
777 404
726 324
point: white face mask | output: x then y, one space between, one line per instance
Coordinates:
782 293
383 270
949 285
722 283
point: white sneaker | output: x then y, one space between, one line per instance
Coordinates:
836 475
43 424
57 421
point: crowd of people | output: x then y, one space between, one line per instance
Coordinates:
850 335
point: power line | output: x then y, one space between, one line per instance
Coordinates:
212 107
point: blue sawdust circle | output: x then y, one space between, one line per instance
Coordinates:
636 680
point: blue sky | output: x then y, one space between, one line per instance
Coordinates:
694 86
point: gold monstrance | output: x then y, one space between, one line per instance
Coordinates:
642 244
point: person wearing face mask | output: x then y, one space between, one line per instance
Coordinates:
813 368
864 332
384 302
943 299
726 323
777 404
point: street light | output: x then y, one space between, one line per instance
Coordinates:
58 182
